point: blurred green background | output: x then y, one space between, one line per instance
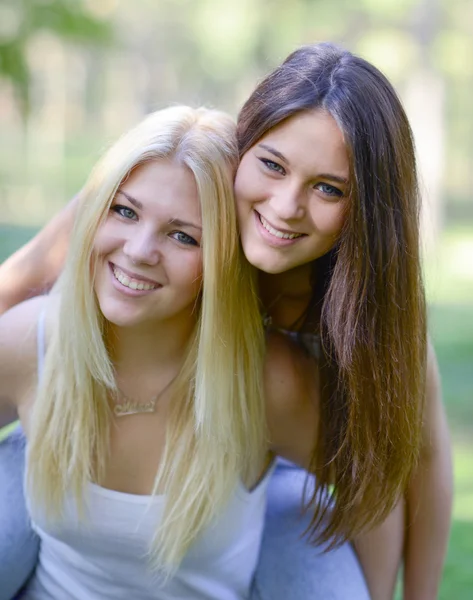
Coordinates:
74 74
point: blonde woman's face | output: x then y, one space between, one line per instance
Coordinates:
291 192
147 252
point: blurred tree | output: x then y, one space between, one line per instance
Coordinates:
212 52
428 118
20 20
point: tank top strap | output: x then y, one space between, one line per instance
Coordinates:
41 342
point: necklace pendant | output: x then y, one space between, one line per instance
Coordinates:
130 407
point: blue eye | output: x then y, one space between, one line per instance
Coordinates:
124 211
182 237
329 190
273 166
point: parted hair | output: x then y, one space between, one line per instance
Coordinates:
216 431
368 302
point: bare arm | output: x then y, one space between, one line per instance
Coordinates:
18 369
380 552
34 268
429 499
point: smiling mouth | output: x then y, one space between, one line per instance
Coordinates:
283 235
131 282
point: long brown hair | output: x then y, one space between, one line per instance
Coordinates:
368 297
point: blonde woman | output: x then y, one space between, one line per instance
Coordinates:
139 380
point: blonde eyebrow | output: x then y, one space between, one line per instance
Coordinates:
130 199
179 223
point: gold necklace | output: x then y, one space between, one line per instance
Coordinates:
129 406
267 318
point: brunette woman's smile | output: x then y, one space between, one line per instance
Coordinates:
273 235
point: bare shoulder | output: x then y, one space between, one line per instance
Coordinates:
18 335
292 399
17 323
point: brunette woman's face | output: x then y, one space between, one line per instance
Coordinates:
291 192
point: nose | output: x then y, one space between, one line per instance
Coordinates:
143 248
289 202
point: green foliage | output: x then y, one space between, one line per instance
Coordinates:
23 19
14 68
457 579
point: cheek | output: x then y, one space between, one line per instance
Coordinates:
247 186
100 248
108 239
102 240
329 219
197 273
191 276
241 203
250 195
100 244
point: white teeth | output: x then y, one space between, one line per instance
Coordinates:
131 283
276 232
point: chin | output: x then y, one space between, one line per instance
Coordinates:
272 269
119 320
268 264
117 315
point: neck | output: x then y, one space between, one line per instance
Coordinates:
285 296
140 349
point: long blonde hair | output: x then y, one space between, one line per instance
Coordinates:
216 430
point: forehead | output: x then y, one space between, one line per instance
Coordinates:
310 139
165 186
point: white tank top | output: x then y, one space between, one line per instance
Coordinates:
104 555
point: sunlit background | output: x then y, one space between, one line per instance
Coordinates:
74 74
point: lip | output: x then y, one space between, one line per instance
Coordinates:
128 291
135 275
271 239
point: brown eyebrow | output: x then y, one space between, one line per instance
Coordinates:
275 152
329 176
132 200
